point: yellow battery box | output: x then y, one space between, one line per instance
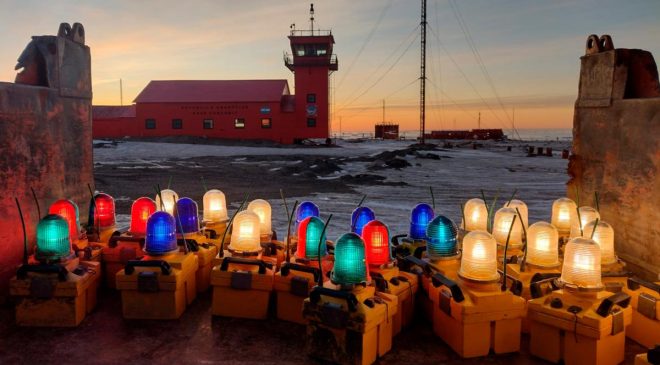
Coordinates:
292 285
241 288
214 231
473 318
348 326
645 326
448 268
119 251
55 295
205 252
649 358
274 253
401 284
158 287
579 327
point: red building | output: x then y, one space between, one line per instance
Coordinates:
234 109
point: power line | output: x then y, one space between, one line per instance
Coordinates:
366 41
363 109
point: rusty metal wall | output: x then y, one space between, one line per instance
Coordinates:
45 137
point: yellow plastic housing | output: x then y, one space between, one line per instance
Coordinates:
245 235
563 213
169 200
604 237
502 224
215 206
581 267
479 260
587 214
262 209
543 245
476 215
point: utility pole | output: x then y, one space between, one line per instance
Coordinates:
422 78
479 121
121 93
383 111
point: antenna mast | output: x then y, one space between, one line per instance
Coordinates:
121 93
422 78
311 16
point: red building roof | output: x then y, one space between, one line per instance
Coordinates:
213 91
113 111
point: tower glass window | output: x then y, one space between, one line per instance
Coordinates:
177 123
239 123
208 123
266 122
311 98
311 122
150 123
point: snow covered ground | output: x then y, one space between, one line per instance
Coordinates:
458 175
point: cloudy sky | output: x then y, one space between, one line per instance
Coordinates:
487 56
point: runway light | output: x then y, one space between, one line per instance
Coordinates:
475 215
543 245
563 210
581 267
309 236
587 215
52 238
502 224
306 209
441 241
377 242
186 212
604 237
161 234
479 260
169 197
522 207
360 217
420 217
215 206
141 209
262 209
245 233
69 211
103 211
350 262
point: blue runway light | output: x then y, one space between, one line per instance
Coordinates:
186 211
360 217
420 217
161 234
306 209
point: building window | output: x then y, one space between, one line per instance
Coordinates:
311 122
150 123
208 123
177 124
239 123
266 122
311 98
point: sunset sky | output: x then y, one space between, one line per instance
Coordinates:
529 49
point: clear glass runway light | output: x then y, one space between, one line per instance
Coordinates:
187 213
441 241
581 267
309 237
604 237
161 234
479 258
52 238
522 207
563 212
245 233
587 215
68 210
502 224
169 199
350 261
543 245
215 206
476 215
141 209
420 217
262 209
377 241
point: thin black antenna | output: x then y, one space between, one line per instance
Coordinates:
204 183
91 194
231 221
361 201
511 198
36 201
506 247
288 232
178 221
319 250
432 197
169 182
25 242
311 16
594 230
286 206
160 197
524 259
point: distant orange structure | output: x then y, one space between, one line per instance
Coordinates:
386 131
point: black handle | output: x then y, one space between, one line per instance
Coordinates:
634 283
535 286
456 292
544 276
288 266
621 299
60 270
244 261
112 243
350 298
164 266
397 238
419 262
